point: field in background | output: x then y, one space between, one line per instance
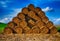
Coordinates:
58 28
2 26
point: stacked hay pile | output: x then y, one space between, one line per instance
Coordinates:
31 20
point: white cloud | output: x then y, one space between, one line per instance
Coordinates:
15 11
5 20
47 9
10 16
4 3
57 21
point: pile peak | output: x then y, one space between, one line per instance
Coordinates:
31 20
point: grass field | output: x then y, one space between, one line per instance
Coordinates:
2 26
58 28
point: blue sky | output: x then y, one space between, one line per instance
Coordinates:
10 8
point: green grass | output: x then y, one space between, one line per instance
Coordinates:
58 28
2 26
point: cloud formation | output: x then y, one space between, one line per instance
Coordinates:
4 3
15 11
57 21
10 16
47 9
5 20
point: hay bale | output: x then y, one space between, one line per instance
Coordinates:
11 25
45 19
37 9
21 16
41 14
53 30
25 10
23 23
31 22
18 30
33 15
35 30
31 7
49 24
16 20
7 30
26 29
44 30
40 24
